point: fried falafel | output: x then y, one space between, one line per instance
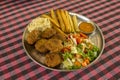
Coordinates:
59 36
52 59
40 46
33 36
48 33
54 45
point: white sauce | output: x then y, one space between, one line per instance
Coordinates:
39 24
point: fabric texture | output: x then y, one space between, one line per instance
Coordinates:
16 14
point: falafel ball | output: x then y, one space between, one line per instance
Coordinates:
40 46
52 59
33 36
54 45
59 36
49 32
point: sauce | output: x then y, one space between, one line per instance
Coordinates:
86 27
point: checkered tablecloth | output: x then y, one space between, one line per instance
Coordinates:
16 14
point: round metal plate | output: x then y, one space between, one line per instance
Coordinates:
97 38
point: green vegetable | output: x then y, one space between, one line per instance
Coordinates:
74 67
95 48
86 50
79 46
67 63
81 52
67 55
93 53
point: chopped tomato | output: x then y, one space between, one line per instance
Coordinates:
78 40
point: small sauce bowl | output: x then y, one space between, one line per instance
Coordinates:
87 27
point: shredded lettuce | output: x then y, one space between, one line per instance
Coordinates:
93 53
67 63
79 46
81 52
67 55
73 67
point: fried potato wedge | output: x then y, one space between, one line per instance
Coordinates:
70 21
63 20
53 15
62 25
75 22
52 20
66 22
59 30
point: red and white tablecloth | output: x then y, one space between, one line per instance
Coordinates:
16 14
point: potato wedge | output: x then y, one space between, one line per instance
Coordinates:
70 21
53 15
52 20
66 22
75 22
59 30
62 25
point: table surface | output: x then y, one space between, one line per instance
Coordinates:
15 15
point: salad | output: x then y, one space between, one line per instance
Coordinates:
78 51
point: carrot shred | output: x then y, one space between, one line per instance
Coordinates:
66 49
78 56
77 63
84 64
83 35
87 61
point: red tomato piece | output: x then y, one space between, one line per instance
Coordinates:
78 40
